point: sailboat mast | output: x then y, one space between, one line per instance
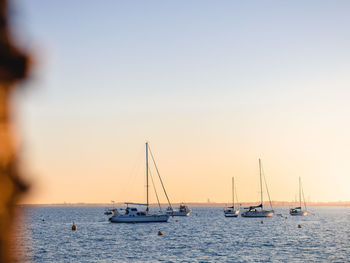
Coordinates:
299 192
147 174
233 192
302 191
261 192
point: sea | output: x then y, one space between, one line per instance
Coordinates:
205 236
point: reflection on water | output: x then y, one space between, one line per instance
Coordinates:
205 237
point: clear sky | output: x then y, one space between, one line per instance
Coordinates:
212 85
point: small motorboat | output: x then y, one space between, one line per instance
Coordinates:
109 211
183 211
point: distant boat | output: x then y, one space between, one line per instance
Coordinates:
183 211
132 215
231 211
297 211
258 211
109 210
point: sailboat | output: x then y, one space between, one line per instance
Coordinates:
297 211
132 214
231 211
259 211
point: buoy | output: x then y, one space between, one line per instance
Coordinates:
262 222
286 217
74 227
160 233
176 220
299 226
43 219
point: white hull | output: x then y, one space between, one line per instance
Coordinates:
139 219
231 213
298 213
178 213
261 213
182 211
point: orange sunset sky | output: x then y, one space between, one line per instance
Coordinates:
212 85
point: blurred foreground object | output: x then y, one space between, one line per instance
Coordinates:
13 68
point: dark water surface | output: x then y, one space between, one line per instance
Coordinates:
205 236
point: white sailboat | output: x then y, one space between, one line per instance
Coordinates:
231 211
184 210
132 215
259 211
297 211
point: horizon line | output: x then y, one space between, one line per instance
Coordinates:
274 203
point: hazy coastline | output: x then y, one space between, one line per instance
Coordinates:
205 204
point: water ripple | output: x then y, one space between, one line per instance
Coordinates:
207 237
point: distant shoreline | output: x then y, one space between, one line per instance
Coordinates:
274 203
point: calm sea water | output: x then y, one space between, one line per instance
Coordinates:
205 236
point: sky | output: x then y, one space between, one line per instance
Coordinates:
212 86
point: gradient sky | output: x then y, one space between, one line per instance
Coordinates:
212 85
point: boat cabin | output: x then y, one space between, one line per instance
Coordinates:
183 208
129 211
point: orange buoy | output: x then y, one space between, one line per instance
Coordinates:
160 233
74 227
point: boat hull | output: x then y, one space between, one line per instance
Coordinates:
231 213
262 213
178 213
139 219
298 213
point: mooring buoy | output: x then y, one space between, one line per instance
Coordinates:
160 233
74 227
